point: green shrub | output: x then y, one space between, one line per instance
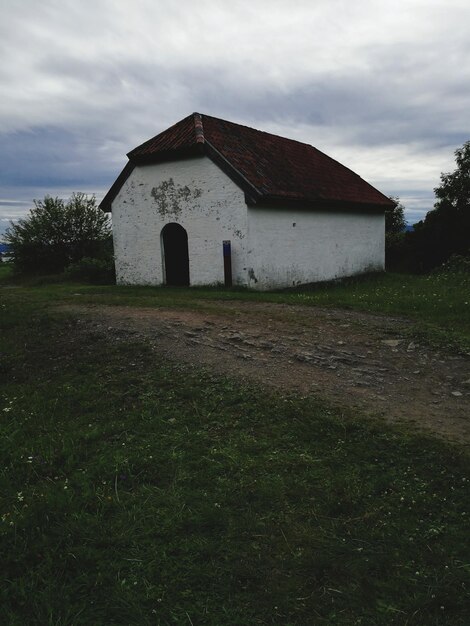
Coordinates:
399 253
95 271
456 264
57 233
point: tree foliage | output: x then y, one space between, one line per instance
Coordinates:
57 233
395 217
395 225
446 229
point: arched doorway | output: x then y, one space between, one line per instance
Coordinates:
175 254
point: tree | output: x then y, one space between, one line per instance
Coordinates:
395 237
395 217
57 233
446 229
454 190
451 212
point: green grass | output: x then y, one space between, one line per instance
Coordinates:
135 492
5 271
438 305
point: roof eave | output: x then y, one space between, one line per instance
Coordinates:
147 159
319 203
252 194
106 202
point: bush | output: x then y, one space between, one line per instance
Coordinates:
56 234
95 271
456 264
400 254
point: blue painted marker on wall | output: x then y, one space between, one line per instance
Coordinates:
227 248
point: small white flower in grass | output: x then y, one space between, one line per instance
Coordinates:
20 496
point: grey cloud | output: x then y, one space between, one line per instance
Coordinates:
385 88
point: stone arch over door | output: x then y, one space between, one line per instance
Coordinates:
174 240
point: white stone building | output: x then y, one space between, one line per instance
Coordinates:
288 214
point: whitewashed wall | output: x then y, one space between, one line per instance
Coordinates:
290 247
271 247
194 193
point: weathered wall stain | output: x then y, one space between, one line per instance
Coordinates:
168 197
251 275
194 193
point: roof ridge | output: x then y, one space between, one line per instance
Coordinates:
198 128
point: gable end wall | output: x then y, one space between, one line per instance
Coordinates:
194 193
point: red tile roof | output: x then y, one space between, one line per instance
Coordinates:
266 166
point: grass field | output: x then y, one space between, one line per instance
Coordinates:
137 492
439 305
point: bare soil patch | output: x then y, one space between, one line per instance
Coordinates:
355 360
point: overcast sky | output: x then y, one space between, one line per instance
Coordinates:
383 86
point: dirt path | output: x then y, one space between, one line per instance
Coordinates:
351 359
